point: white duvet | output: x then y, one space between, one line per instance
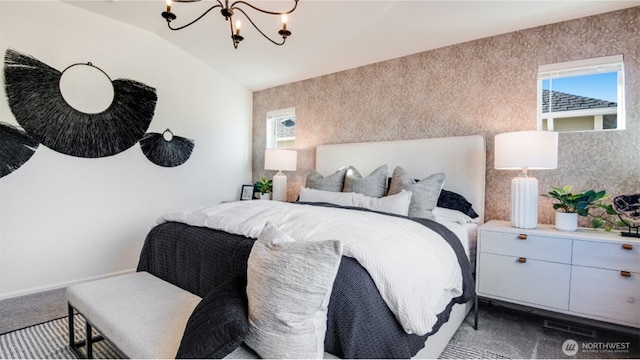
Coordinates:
414 269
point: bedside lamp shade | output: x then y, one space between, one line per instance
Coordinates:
281 160
525 150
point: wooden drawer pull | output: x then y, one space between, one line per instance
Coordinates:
627 246
625 273
522 236
522 260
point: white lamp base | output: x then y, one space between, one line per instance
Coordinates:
280 187
524 202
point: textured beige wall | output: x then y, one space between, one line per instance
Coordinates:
482 87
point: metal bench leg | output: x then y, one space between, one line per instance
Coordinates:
88 341
72 337
475 321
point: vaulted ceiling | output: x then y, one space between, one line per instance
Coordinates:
331 36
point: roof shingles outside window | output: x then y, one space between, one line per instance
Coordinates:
569 102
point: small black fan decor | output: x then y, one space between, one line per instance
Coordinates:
166 149
16 147
628 208
33 91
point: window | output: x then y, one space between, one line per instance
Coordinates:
582 95
281 129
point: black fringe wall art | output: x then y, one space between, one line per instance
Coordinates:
16 147
166 149
33 91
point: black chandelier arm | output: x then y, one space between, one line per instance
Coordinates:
258 29
235 4
219 5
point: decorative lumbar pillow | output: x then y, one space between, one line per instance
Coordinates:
394 204
374 185
455 201
218 324
331 197
288 287
425 192
333 182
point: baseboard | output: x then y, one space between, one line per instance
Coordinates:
62 284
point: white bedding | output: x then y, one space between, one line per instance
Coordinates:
414 269
468 235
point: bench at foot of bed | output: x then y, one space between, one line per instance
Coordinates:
142 315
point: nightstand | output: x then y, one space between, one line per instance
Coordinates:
588 273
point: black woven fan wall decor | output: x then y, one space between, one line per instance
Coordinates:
16 147
166 149
35 98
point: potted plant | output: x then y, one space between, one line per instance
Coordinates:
264 187
571 204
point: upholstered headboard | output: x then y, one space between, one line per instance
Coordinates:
462 158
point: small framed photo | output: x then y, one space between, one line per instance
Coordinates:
247 192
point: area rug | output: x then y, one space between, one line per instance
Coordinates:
459 351
49 341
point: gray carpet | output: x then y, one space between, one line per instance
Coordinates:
520 335
19 312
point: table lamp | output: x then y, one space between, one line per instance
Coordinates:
281 160
525 150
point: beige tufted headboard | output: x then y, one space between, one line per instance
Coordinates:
462 158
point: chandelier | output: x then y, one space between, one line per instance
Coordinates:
228 10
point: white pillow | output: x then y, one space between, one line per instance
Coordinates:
288 288
332 197
452 215
394 204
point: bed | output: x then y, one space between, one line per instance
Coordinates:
361 309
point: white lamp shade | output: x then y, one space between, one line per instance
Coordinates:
534 150
280 159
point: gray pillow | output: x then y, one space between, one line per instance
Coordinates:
425 192
288 287
374 185
333 182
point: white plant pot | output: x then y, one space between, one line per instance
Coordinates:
566 221
266 196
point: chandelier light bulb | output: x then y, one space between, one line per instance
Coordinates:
168 5
284 21
238 25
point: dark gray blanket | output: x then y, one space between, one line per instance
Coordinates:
359 323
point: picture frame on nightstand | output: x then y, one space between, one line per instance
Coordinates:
247 192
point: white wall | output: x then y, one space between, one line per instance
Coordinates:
65 219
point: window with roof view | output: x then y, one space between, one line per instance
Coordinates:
281 129
583 95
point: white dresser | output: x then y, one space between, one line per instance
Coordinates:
588 273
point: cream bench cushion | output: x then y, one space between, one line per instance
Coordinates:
141 314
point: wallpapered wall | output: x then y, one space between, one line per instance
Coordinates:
482 87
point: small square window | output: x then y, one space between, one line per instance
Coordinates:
583 95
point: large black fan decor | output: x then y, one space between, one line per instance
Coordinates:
33 91
16 147
166 149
